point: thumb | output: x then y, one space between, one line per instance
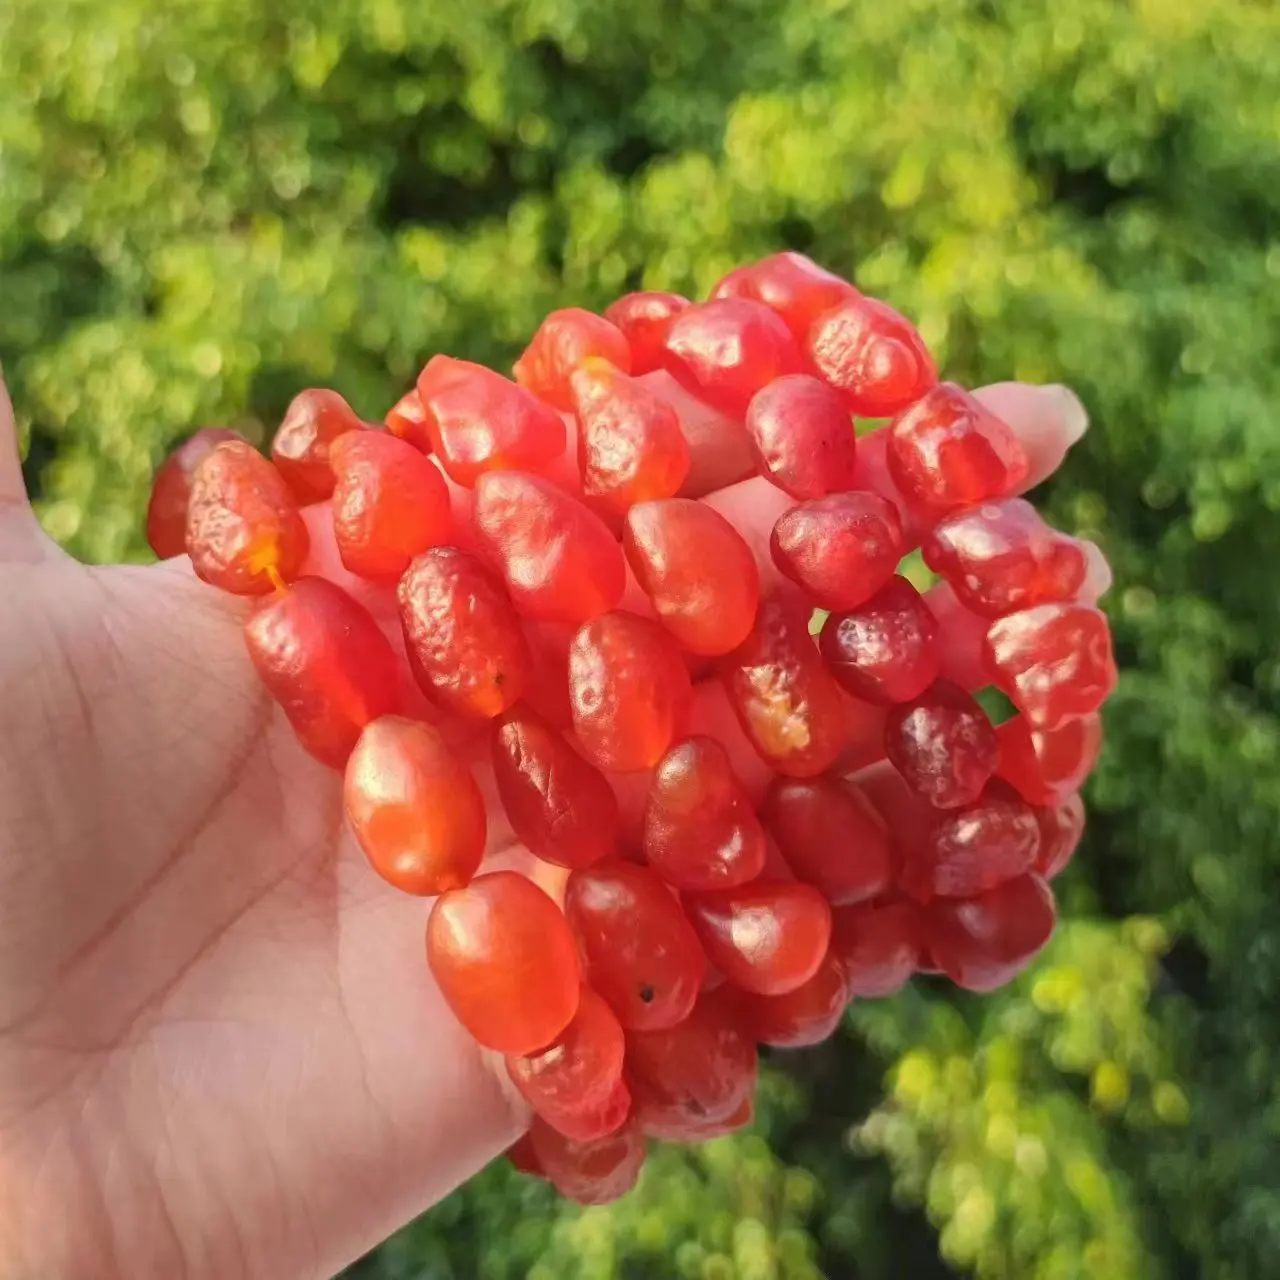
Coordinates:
20 535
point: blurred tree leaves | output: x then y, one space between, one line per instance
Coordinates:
205 205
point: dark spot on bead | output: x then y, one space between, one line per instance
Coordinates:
647 994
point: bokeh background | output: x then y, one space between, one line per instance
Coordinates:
206 205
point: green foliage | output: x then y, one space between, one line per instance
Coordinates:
985 1125
206 205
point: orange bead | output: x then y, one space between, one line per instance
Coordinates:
389 504
789 706
700 827
630 445
693 1132
573 1083
698 571
878 946
831 837
595 1172
407 420
523 1158
505 962
638 950
413 808
629 690
983 943
696 1074
948 450
1047 766
244 530
724 351
840 549
1055 661
564 341
559 560
802 437
768 937
645 319
547 690
1000 557
560 807
792 285
479 421
313 421
324 659
463 634
806 1015
872 354
1061 830
171 491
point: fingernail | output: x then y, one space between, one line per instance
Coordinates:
1075 418
1098 577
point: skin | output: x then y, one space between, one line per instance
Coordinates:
221 1052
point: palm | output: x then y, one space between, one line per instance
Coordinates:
230 1008
220 1050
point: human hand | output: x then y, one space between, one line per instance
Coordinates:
221 1051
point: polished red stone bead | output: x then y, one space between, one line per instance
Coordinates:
326 662
561 808
407 419
872 355
768 936
806 1015
949 451
505 962
943 745
1046 766
970 850
802 437
792 285
788 705
1001 557
244 530
595 1172
698 571
638 949
602 1118
313 421
840 549
572 1083
878 946
479 421
645 318
558 558
697 1073
630 445
725 351
629 690
524 1159
389 504
171 490
704 1131
1061 829
565 340
830 837
547 690
414 807
466 647
887 649
982 943
700 828
1055 661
